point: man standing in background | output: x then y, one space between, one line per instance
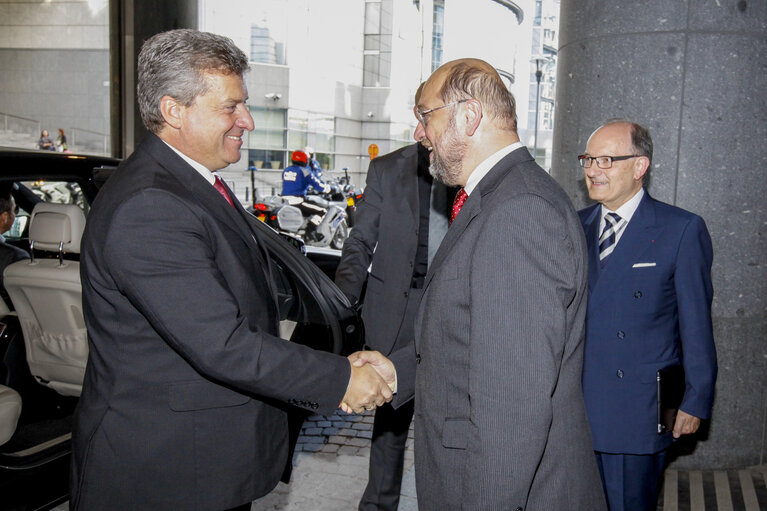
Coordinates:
399 225
649 309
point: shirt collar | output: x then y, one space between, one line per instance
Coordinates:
627 210
204 171
483 168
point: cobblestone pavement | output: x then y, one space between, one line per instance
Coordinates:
331 468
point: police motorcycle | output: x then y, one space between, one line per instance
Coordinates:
320 222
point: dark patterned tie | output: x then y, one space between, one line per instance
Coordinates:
607 239
219 185
460 199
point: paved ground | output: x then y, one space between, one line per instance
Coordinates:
331 467
331 463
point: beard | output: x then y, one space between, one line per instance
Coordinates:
447 168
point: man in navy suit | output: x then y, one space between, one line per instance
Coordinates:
649 307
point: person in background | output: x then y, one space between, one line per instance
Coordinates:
296 180
61 141
314 165
400 223
45 142
649 308
8 253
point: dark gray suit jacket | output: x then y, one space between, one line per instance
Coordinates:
500 419
385 234
183 399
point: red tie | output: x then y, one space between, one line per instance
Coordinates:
460 198
219 185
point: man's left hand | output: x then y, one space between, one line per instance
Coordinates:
685 424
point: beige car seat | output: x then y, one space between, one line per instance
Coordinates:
10 409
47 295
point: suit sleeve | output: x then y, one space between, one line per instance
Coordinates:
694 292
357 254
176 283
520 291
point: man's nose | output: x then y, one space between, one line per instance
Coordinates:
245 120
419 133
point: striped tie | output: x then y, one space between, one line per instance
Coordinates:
613 224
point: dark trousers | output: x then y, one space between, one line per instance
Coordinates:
631 482
387 457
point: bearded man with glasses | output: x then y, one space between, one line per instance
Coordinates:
496 366
649 309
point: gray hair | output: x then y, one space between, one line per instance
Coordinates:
173 63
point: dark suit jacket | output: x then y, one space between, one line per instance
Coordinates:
9 254
183 399
385 235
650 307
500 420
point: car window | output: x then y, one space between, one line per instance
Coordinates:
302 318
29 193
313 311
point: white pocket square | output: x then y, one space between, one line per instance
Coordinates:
643 265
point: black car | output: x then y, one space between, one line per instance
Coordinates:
34 462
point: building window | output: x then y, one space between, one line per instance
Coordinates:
538 13
314 130
263 48
267 141
438 31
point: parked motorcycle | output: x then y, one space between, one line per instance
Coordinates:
327 230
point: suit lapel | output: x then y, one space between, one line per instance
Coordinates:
407 183
232 217
636 240
591 228
473 206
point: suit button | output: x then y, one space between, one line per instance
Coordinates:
315 406
405 294
417 358
621 334
619 373
638 294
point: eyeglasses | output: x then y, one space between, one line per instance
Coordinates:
603 162
422 115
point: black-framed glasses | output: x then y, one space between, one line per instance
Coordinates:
422 115
603 162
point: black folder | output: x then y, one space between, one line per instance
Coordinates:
671 387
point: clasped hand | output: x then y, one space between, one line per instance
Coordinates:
371 383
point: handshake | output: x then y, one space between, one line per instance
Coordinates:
371 383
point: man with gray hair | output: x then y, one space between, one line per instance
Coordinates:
183 403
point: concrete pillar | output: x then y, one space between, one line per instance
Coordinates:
131 22
694 73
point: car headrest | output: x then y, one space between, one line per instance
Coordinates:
54 225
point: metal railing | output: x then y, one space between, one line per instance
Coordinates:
87 141
16 124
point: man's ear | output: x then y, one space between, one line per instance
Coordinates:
641 165
172 111
473 116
